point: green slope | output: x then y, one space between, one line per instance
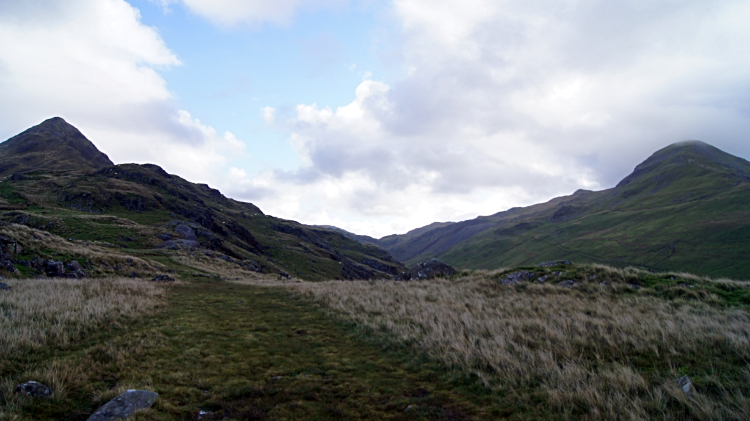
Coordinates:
686 208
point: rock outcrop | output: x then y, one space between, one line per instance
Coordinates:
33 388
124 406
427 270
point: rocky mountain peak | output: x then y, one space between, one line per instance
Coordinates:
53 144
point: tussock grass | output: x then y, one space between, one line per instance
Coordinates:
591 352
40 313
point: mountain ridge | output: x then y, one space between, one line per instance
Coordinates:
62 184
683 208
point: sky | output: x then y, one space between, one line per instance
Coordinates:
382 116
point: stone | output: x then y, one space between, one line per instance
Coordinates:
427 270
543 279
251 265
185 232
54 268
162 278
555 263
4 287
516 277
686 385
33 388
75 269
568 284
124 406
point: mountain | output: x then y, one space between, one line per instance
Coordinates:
61 183
52 145
686 207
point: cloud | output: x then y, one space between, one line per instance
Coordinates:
507 103
95 63
250 12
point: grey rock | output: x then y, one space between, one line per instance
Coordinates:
4 287
516 277
166 237
251 265
555 263
185 232
543 279
75 270
686 285
427 270
54 268
686 385
33 388
162 278
568 284
124 406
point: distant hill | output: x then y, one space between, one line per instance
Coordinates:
687 207
63 184
52 145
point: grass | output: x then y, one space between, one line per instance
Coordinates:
268 348
238 352
41 319
589 352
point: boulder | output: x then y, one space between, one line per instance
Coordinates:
427 270
516 277
33 388
185 232
251 265
54 268
124 406
555 263
568 284
75 270
686 385
4 287
162 278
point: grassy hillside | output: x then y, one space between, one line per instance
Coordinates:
685 208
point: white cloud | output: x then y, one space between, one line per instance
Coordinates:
252 12
95 64
269 115
510 102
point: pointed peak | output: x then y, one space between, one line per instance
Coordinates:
53 144
679 154
55 125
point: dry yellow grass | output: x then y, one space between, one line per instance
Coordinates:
53 312
584 351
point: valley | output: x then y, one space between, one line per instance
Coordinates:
593 306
